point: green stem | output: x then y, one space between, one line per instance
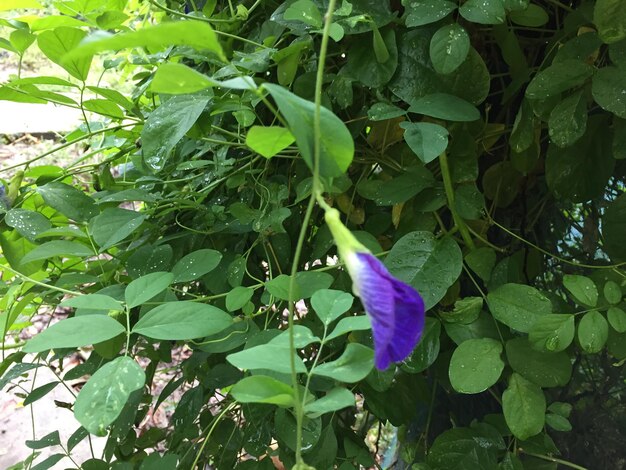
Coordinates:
82 108
127 312
292 341
552 255
41 284
68 144
555 460
191 17
298 405
213 425
447 184
430 416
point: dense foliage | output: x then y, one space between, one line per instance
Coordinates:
477 146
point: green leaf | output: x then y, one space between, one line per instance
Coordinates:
49 462
337 146
353 365
279 287
103 397
67 231
466 310
399 189
21 40
552 332
483 11
17 370
195 265
111 19
518 306
617 319
74 333
524 407
380 48
471 81
262 389
55 44
57 248
128 195
302 337
476 365
39 392
238 297
616 345
523 133
105 107
116 97
348 324
608 89
167 125
182 320
331 304
156 461
54 21
368 68
307 283
580 172
176 79
384 111
286 430
421 12
196 34
69 201
49 440
5 44
593 331
272 357
427 140
337 399
481 261
459 448
444 106
560 408
469 201
430 265
305 11
545 369
614 227
269 141
612 292
582 289
558 423
533 16
610 19
449 48
148 259
144 288
28 223
568 120
93 301
113 225
559 77
427 350
18 4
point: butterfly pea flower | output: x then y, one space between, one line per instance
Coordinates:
396 309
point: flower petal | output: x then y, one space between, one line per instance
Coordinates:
409 321
396 309
377 295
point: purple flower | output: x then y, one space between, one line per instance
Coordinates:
395 308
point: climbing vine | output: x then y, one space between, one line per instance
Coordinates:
476 148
